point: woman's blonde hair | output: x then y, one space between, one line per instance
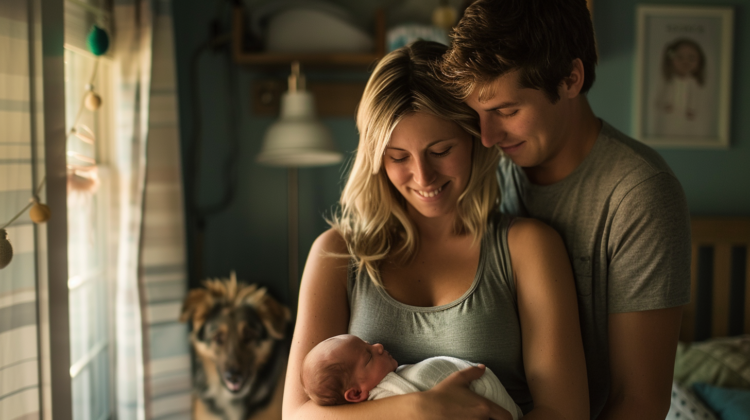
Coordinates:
372 217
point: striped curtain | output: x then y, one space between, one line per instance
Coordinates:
153 364
19 377
163 278
152 372
132 53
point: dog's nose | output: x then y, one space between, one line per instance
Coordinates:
233 379
233 375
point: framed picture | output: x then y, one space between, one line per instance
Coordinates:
683 76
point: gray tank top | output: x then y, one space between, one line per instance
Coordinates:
481 326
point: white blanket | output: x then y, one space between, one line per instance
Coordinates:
429 372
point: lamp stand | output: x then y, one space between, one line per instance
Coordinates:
293 229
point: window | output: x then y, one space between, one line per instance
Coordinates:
90 277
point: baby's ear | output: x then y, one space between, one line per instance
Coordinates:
355 395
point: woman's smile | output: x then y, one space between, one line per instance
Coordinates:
428 160
429 195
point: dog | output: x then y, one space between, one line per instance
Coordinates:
239 338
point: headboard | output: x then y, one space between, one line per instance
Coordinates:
720 280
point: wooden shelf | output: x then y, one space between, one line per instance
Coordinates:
260 59
332 99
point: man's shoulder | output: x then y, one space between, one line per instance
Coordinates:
624 158
618 166
615 156
629 172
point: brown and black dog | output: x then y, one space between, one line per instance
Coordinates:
239 335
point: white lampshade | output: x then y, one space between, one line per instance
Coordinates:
298 138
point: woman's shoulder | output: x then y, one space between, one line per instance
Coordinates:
531 235
539 259
519 227
328 260
330 242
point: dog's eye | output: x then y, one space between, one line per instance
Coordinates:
248 334
219 338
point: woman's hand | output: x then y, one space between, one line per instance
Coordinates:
452 399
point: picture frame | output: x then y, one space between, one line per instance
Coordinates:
683 75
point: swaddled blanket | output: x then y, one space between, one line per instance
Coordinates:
429 372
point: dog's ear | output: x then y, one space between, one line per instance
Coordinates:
196 306
274 315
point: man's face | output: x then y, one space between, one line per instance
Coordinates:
522 121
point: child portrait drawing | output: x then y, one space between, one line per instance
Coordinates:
683 75
681 104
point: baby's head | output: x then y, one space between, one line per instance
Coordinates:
344 369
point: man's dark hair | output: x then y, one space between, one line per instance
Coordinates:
539 38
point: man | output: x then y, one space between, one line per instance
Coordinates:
525 66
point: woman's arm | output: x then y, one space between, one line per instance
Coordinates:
548 310
324 312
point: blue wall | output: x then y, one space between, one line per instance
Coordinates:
717 182
250 236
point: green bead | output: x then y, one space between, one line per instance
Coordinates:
98 40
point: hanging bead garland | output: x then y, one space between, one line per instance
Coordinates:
98 43
41 212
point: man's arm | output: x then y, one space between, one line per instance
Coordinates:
649 280
642 348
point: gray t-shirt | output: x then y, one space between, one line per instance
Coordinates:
481 326
625 222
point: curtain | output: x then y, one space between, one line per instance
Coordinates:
153 364
19 356
132 50
152 371
163 271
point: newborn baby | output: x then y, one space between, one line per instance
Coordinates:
344 369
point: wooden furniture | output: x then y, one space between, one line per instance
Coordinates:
332 99
720 280
272 59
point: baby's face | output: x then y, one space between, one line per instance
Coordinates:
370 363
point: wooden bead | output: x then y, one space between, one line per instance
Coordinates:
39 213
93 101
6 250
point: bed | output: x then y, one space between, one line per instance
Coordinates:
721 299
712 368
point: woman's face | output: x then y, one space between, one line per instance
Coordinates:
685 60
428 160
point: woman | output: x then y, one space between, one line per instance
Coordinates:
419 260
